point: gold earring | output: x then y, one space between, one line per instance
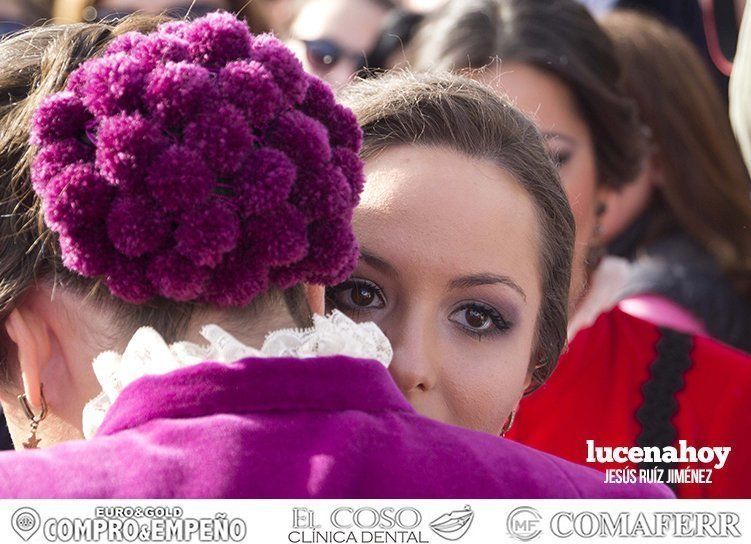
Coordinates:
509 422
33 441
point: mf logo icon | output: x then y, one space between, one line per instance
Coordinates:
524 523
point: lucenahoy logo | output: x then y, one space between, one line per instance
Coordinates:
454 525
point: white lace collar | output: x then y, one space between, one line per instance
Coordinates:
148 354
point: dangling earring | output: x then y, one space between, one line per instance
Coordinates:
509 422
33 442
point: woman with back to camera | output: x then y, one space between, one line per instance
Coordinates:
136 215
623 381
686 220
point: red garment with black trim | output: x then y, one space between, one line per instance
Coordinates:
596 390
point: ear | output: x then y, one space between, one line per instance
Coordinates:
31 337
316 295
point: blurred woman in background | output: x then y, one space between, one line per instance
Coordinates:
686 220
334 38
623 381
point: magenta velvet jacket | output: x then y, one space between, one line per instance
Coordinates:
290 428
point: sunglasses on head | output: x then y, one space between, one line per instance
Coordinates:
9 27
324 54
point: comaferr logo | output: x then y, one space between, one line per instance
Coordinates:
454 525
526 523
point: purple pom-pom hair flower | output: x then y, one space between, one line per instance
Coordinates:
198 163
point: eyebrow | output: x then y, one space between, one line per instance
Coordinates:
475 280
378 263
558 136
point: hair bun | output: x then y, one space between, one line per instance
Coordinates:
198 163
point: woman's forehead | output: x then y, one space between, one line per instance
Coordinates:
452 212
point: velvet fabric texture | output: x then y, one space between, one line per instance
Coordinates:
601 381
290 428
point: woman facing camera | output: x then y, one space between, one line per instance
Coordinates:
623 381
465 247
154 235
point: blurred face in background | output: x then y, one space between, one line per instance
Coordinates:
332 37
627 204
551 105
449 270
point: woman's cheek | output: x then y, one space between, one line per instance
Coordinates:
485 384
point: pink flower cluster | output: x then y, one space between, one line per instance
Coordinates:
201 163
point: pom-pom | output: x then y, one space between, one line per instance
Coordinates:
218 38
301 138
283 64
174 28
175 91
59 116
344 129
189 162
319 101
137 226
333 251
126 146
112 84
222 137
87 252
76 196
51 159
160 49
264 181
279 237
351 168
207 233
323 193
176 277
252 88
125 43
126 279
237 280
180 179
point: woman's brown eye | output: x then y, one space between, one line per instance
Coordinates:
356 295
362 295
479 319
476 318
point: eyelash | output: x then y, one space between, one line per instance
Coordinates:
500 325
349 285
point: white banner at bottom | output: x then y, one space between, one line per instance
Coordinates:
372 521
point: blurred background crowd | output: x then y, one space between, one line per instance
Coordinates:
688 210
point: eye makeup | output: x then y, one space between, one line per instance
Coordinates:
479 320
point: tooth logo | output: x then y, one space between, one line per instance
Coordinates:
454 525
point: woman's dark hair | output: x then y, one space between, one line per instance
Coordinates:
705 185
33 65
462 115
557 36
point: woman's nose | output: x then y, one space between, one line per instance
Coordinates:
414 366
